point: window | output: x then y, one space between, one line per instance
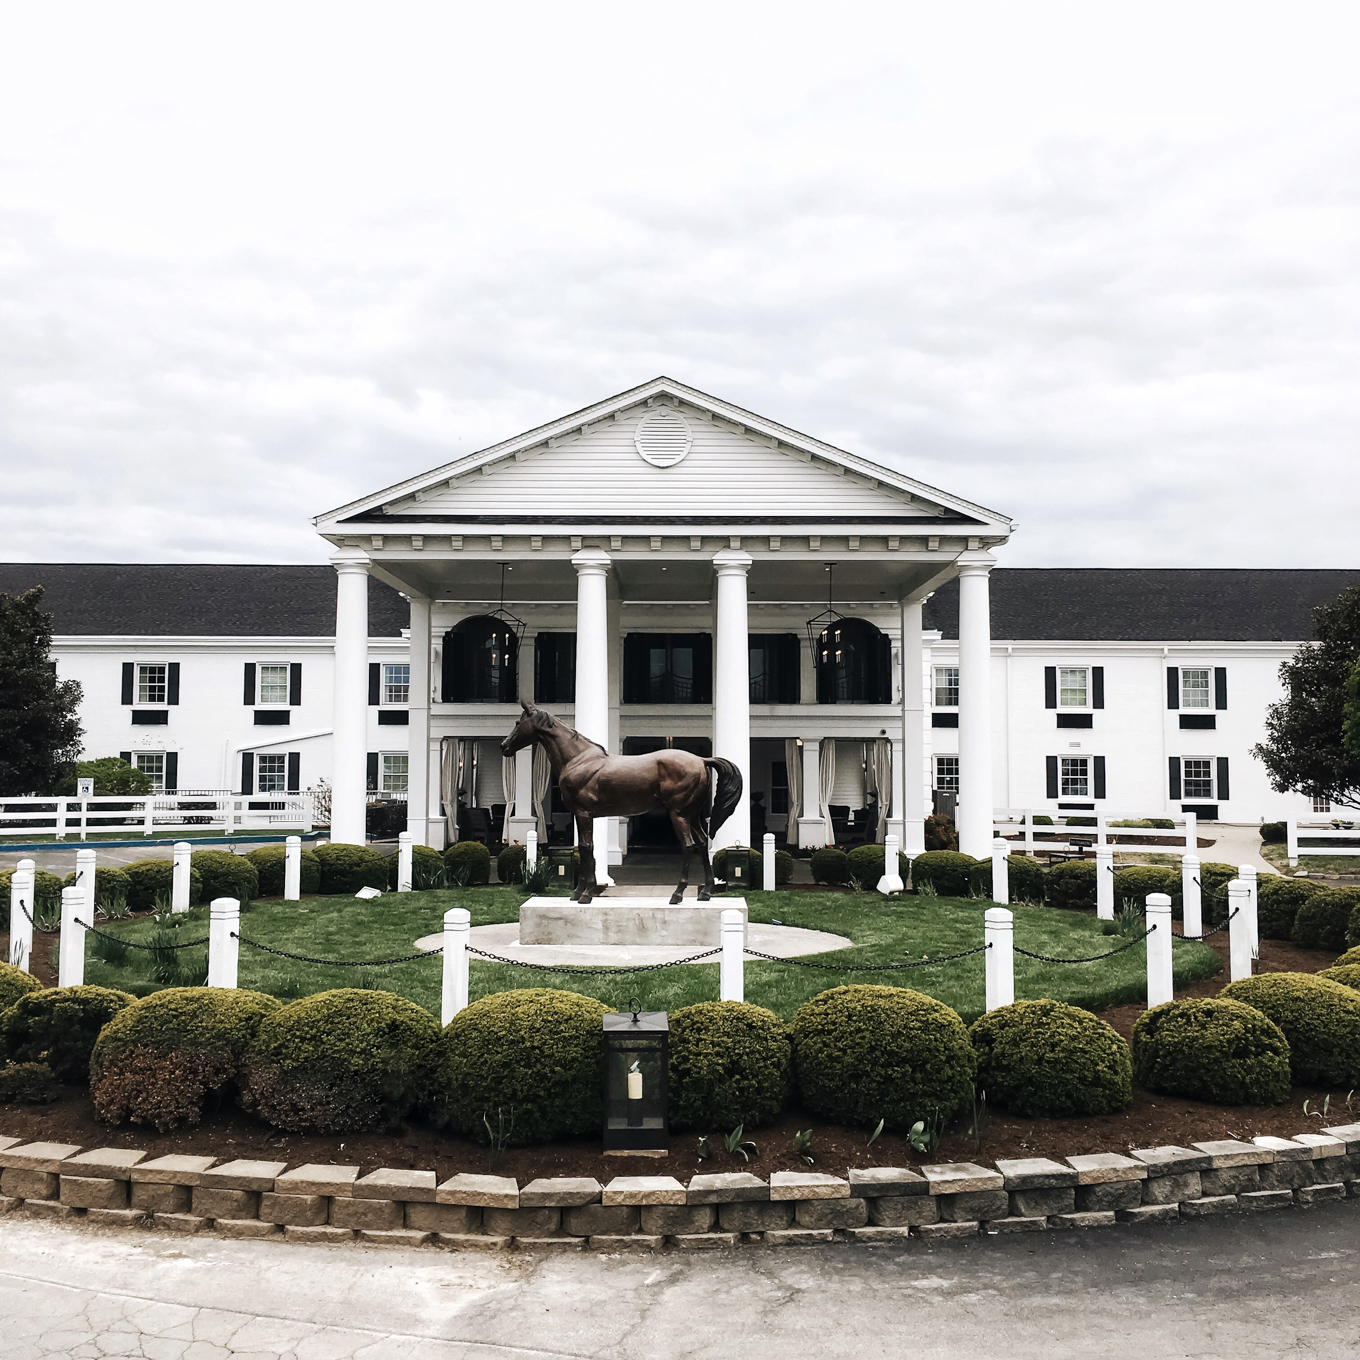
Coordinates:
1195 688
273 684
152 763
1072 686
396 684
668 668
271 771
946 686
555 668
151 685
947 774
481 663
854 664
779 787
775 663
1322 804
393 772
1197 779
1076 777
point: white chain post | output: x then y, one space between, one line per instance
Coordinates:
767 862
1105 883
1291 841
1239 930
179 878
21 909
1247 873
1001 871
71 949
405 855
891 882
731 969
998 933
85 880
1157 918
530 852
224 948
1192 911
292 869
457 927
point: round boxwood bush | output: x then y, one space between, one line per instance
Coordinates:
1320 1019
162 1059
58 1026
1132 886
226 875
269 862
1024 875
532 1058
510 864
1214 877
1273 833
862 1054
46 887
152 880
1322 920
944 870
347 868
1347 974
28 1084
1044 1058
1349 957
109 884
1278 900
1071 885
14 983
1214 1049
342 1062
730 1064
830 865
427 868
468 863
866 864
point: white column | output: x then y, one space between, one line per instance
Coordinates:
1239 930
767 862
1001 871
1192 915
1247 873
349 743
405 855
1158 915
731 977
524 823
85 881
224 946
891 882
998 933
418 731
21 913
1104 883
292 869
592 671
976 799
180 886
812 830
909 780
732 688
457 926
71 948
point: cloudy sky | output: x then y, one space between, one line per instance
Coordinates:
1090 265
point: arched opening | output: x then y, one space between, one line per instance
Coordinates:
481 662
854 664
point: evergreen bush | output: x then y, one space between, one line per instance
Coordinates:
1132 886
1278 900
469 863
1347 974
1214 878
58 1026
427 866
1273 833
730 1064
865 862
347 868
1349 957
510 864
14 983
1320 1019
270 862
28 1084
1323 919
153 879
1024 876
1071 885
46 887
226 875
944 870
830 865
940 833
109 885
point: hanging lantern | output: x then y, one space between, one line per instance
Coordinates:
636 1081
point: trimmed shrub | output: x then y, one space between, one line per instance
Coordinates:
1071 885
112 775
1147 823
510 864
269 862
536 1054
342 1062
862 1054
1136 882
1273 833
347 868
1349 957
1214 878
163 1058
28 1084
830 865
1041 820
427 868
149 879
1322 920
1024 876
783 868
14 983
1320 1019
1347 974
108 885
1353 920
469 863
944 870
1044 1058
46 887
866 862
58 1026
730 1063
1278 900
226 875
1079 821
1212 1049
940 833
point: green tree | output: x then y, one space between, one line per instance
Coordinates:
1312 741
111 775
40 731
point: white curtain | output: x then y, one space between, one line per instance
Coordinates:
508 784
449 763
542 784
880 772
793 763
827 754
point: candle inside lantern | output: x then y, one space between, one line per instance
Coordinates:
634 1082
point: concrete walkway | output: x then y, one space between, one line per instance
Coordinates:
1286 1283
1235 845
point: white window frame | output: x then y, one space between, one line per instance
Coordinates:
1201 697
390 778
945 782
385 693
947 687
1211 779
141 684
261 667
281 773
1074 782
157 776
1063 689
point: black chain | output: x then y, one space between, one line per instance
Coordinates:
1216 930
1095 958
336 963
868 967
132 944
592 972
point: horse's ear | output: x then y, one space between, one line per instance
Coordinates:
526 705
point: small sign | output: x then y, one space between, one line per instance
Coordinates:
84 788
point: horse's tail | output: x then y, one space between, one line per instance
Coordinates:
727 794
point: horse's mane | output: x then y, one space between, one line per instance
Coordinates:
542 718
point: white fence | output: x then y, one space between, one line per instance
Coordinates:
1015 824
200 810
1332 839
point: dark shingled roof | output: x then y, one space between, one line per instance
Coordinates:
197 599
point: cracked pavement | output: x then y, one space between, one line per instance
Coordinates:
1277 1284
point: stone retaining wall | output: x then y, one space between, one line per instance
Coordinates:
880 1204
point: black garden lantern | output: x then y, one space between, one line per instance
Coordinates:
737 866
562 868
636 1081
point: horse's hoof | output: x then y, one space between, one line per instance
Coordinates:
677 897
705 895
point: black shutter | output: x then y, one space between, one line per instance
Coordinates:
172 683
294 771
125 757
1174 779
127 682
1051 769
703 668
294 683
635 647
374 683
1098 689
1098 775
1050 687
248 689
372 769
1173 689
247 772
790 669
453 668
1220 687
171 771
1222 790
884 695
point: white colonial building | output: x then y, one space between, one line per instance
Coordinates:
665 568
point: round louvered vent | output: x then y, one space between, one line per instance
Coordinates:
663 437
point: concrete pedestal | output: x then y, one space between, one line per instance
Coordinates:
623 921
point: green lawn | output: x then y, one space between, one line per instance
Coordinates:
884 932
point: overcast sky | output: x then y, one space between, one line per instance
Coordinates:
1091 265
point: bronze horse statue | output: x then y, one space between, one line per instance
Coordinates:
595 784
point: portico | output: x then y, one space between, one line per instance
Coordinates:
655 568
